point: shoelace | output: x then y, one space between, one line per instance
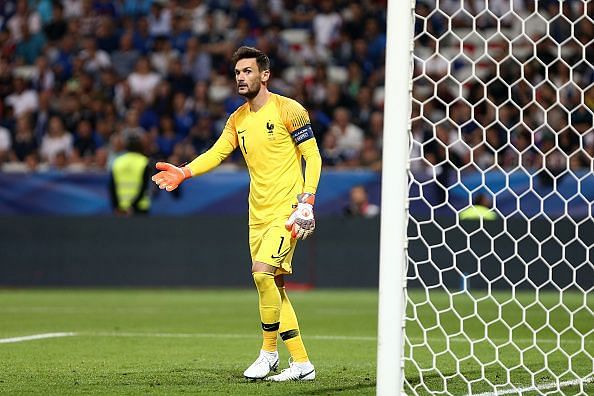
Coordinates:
291 364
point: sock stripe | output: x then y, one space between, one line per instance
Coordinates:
287 335
270 326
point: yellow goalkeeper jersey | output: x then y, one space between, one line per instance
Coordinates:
273 140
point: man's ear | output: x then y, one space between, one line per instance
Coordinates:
265 75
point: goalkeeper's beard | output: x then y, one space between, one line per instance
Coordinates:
251 93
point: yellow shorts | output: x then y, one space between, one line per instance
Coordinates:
271 243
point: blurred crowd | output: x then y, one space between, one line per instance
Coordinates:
518 94
77 77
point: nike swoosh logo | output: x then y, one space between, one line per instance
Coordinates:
305 375
242 131
282 255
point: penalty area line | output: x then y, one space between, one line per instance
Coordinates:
536 388
33 337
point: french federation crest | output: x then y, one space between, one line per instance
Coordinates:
270 130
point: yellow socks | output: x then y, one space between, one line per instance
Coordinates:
289 329
270 308
277 315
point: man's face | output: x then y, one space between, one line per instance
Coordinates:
249 78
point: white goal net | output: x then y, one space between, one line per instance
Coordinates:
500 233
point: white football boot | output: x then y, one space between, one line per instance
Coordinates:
266 362
296 372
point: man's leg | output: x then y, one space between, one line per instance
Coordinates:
289 327
270 306
301 368
269 302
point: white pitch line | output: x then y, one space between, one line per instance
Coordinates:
546 386
35 337
219 335
248 336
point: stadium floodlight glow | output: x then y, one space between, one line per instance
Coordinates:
501 132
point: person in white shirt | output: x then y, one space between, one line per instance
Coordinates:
23 16
57 140
22 100
143 81
94 59
159 20
349 137
326 24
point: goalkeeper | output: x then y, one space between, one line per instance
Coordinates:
273 133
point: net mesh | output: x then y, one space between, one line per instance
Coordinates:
500 230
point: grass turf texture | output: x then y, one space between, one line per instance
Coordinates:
200 341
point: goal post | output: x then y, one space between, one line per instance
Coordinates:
487 231
392 279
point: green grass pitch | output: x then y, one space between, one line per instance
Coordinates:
200 341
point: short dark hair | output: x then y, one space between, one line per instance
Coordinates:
245 52
134 143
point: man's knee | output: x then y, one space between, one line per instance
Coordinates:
258 266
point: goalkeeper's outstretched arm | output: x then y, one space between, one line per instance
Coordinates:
172 176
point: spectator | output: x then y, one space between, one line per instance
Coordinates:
23 16
326 24
43 78
89 19
359 205
24 144
183 118
370 157
57 27
131 125
162 55
202 135
22 100
159 20
168 137
180 32
42 115
106 80
107 39
85 144
143 81
29 47
94 59
349 137
72 8
329 151
196 62
125 57
57 140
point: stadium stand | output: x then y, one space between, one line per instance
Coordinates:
78 76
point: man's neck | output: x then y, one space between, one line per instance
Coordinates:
258 101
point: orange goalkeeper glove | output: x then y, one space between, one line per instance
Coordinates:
301 223
170 176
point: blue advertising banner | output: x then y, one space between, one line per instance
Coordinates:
222 192
515 193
